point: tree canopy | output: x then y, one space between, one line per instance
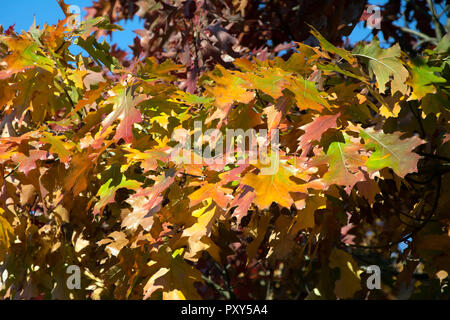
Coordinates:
117 164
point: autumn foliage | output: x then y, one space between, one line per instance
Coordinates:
87 175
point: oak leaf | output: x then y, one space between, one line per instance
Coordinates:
107 192
391 151
277 187
125 111
350 280
315 129
384 63
6 235
346 162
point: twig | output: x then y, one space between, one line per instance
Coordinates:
12 171
411 234
437 24
420 182
420 34
260 99
419 120
433 156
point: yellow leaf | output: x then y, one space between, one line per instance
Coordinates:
277 187
6 235
305 218
174 295
350 280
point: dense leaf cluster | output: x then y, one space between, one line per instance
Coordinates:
88 176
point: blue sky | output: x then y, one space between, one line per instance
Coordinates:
22 12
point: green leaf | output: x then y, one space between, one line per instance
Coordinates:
423 78
328 68
93 24
443 45
435 103
331 48
345 160
391 151
384 63
100 52
107 192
